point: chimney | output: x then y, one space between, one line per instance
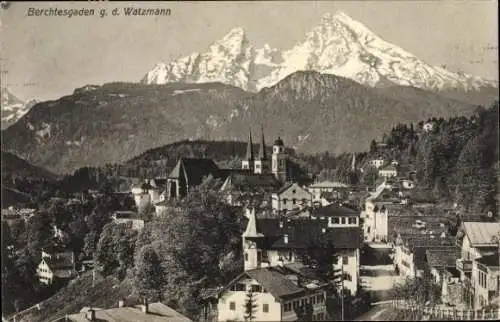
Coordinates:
121 303
145 307
91 314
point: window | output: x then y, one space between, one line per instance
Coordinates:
295 304
246 257
256 288
343 220
265 308
232 306
313 300
345 260
284 201
319 298
352 221
294 201
347 277
335 220
303 302
288 307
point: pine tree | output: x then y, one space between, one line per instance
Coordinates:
250 306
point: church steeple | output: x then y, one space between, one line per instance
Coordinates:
262 150
250 147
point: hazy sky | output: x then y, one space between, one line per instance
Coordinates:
47 57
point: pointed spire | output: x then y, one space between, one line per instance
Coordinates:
250 147
262 150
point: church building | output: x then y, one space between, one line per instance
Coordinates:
277 164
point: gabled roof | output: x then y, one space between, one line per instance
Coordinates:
60 261
278 280
304 233
274 282
194 170
482 233
290 185
251 181
441 257
158 312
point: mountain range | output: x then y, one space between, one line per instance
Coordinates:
312 112
339 45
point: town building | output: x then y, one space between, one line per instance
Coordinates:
153 312
281 293
377 163
277 164
338 190
250 188
291 197
474 240
56 264
410 251
388 171
273 241
189 173
486 275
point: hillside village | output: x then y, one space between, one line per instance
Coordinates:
293 250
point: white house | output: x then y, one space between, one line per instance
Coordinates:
388 171
318 188
377 163
291 197
277 294
474 240
55 264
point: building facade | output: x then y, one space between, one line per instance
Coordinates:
291 197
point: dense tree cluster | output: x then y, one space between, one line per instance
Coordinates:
193 248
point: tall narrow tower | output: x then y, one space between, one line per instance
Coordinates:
248 163
262 164
279 161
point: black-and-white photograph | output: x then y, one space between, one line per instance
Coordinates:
227 161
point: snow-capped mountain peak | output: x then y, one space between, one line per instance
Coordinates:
12 108
338 45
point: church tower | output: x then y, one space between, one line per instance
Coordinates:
248 163
279 161
262 164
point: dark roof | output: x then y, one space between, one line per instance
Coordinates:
441 257
194 170
304 233
490 260
60 261
419 253
278 141
275 282
243 181
334 210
